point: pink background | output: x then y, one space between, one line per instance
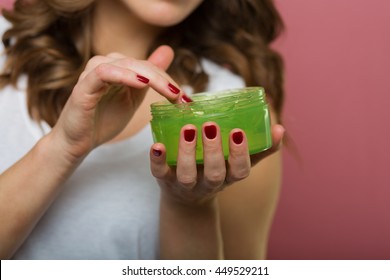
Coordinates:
6 4
335 201
335 196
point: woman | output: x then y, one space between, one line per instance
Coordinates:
78 80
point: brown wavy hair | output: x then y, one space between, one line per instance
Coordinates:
50 42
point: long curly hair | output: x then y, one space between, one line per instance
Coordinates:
50 41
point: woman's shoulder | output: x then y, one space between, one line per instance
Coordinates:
4 25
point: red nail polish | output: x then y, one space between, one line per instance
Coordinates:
186 99
156 152
189 135
238 137
210 131
142 79
173 89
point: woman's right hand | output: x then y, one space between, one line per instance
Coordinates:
192 184
106 96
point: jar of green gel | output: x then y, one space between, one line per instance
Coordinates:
244 108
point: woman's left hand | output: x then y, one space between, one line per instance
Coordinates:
189 183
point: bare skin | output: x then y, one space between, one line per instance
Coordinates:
222 209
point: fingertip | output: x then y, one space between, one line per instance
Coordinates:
238 145
237 136
162 56
185 98
278 132
189 133
157 152
280 129
210 130
158 165
165 49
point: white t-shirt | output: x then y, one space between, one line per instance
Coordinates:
109 207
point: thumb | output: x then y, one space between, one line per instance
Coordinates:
162 57
277 131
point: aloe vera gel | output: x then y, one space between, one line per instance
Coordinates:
244 108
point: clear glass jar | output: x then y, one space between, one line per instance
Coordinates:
244 108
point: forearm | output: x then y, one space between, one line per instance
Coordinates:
190 232
27 189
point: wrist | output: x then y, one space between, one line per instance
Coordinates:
190 231
186 205
57 143
57 155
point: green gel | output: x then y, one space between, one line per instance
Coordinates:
244 108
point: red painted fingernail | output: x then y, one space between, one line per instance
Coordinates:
156 152
173 89
142 79
185 98
210 131
238 137
189 135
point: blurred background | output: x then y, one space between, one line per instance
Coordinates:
5 4
335 200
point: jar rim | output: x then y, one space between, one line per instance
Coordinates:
219 95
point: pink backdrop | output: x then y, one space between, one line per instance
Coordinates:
6 4
335 197
335 201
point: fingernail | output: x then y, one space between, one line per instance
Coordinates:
156 152
185 98
238 137
142 79
189 135
173 89
210 131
